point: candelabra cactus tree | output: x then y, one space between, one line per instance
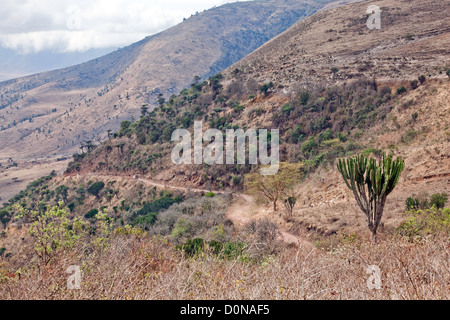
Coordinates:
371 183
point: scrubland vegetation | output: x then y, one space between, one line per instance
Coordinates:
125 263
148 243
189 250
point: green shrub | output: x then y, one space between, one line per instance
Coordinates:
71 207
439 200
375 152
91 214
414 84
159 204
326 135
193 247
297 134
4 217
125 128
412 203
304 97
96 188
422 79
215 246
145 221
266 88
309 147
232 250
342 137
424 223
210 195
182 228
401 90
286 109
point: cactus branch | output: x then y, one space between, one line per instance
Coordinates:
371 183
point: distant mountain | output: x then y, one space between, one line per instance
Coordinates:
335 46
15 65
51 113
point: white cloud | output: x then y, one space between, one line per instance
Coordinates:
31 26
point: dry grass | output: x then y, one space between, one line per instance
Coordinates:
133 268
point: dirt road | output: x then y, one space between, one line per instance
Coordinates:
242 211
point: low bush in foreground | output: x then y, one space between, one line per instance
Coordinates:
132 267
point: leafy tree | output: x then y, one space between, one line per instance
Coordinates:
274 187
90 146
161 101
401 90
91 214
52 231
145 221
290 203
4 217
371 183
266 88
412 203
63 192
215 83
124 128
309 147
144 110
439 200
422 79
96 188
71 206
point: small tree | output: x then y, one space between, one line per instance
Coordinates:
439 200
412 203
289 203
144 110
266 88
422 79
273 187
371 183
52 231
95 188
63 192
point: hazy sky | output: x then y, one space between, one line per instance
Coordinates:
30 26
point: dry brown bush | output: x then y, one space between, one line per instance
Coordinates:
137 268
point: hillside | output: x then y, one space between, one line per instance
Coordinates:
48 115
319 120
15 65
95 96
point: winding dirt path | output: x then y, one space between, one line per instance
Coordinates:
242 211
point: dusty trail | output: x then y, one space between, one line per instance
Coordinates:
244 211
240 213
